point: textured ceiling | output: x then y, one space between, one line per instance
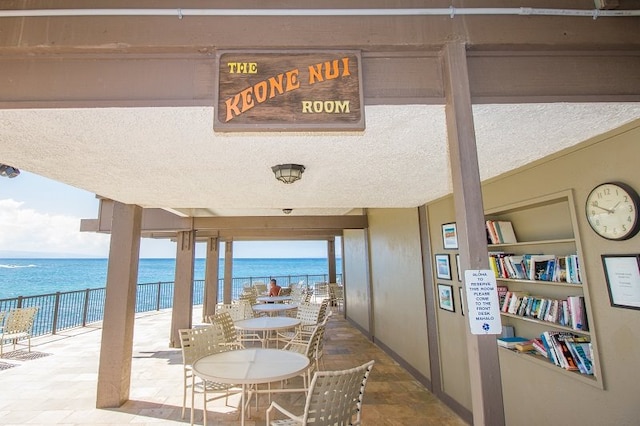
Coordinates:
171 158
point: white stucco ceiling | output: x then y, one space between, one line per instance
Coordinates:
171 158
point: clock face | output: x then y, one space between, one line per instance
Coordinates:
612 211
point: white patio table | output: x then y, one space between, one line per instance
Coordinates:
266 325
273 308
273 299
248 367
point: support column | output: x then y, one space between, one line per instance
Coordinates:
182 313
482 351
211 270
116 347
435 384
331 256
228 271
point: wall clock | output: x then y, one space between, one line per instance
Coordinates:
612 211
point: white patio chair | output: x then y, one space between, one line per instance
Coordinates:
224 322
309 315
261 288
309 348
336 295
18 325
197 343
334 398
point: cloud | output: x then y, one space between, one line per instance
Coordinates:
23 229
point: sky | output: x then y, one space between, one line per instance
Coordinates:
40 217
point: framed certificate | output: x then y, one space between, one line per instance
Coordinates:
622 272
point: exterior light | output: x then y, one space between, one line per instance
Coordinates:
288 173
287 211
8 171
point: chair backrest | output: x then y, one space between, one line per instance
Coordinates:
320 344
309 348
309 313
324 310
250 296
20 320
199 342
335 397
284 291
260 287
224 322
235 310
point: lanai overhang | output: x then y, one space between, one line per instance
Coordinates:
122 106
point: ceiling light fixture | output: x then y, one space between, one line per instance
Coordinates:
288 173
8 171
287 211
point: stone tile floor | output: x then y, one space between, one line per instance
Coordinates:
56 382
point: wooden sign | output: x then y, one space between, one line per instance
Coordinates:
289 91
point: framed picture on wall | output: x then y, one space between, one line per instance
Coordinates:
460 291
458 267
622 272
445 297
443 266
449 236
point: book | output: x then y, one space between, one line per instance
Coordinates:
538 346
539 267
567 360
525 346
502 293
505 232
577 313
510 342
580 348
493 234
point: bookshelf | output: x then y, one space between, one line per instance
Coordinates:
545 225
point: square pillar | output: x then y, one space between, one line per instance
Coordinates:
182 313
116 348
211 278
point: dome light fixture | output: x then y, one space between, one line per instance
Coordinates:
287 211
288 173
8 171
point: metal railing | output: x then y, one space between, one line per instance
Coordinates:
63 310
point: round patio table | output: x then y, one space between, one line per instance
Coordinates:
266 325
249 367
274 299
273 308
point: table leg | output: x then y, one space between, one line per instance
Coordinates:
242 409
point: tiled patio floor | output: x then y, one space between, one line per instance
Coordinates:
56 382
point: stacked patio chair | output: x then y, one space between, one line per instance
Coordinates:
336 295
261 288
334 398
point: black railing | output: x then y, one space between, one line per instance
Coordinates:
64 310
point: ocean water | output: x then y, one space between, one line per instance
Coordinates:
28 277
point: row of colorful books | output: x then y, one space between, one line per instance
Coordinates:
500 232
538 267
564 349
570 312
568 351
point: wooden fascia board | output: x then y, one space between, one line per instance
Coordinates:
281 223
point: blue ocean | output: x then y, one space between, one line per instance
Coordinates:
29 277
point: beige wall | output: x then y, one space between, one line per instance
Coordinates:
534 394
454 367
354 266
398 290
